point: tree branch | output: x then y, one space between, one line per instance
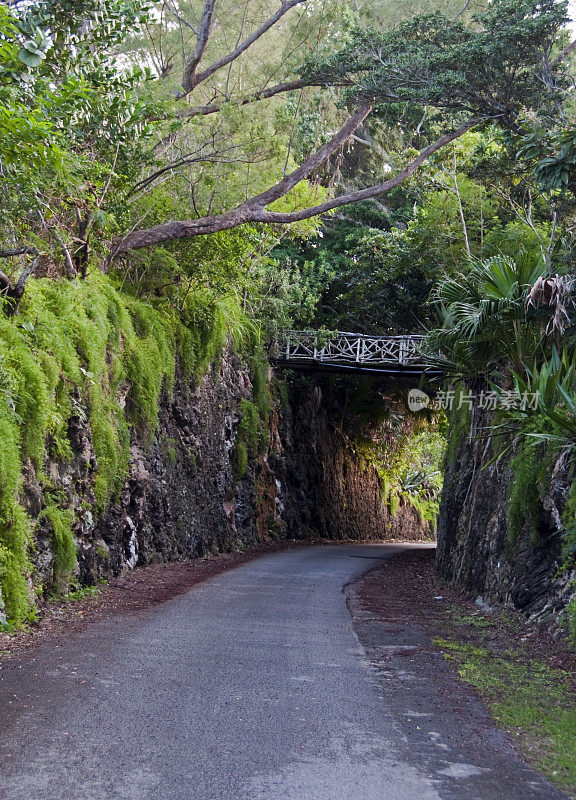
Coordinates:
463 9
70 267
191 78
19 251
312 162
214 158
188 78
26 272
254 209
370 191
176 229
173 10
251 97
13 292
566 52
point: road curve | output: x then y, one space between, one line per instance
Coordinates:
252 686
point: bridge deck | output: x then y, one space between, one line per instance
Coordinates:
353 352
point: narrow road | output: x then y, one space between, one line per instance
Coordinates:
252 686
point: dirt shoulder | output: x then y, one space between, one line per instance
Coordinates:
452 669
132 591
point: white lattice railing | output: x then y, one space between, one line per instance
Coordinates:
347 348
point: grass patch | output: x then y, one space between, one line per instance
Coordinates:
533 701
476 620
81 593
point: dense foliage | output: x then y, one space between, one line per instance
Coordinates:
490 68
121 116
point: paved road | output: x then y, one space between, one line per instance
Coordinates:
252 686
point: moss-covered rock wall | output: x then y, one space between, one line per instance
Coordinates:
131 434
83 372
502 530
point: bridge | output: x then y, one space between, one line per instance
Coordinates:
353 352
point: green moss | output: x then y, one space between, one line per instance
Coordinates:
60 521
77 348
202 334
246 438
249 422
569 529
570 617
393 503
262 396
252 436
384 488
15 527
150 361
282 393
15 565
260 386
240 460
459 420
524 503
427 508
102 552
526 697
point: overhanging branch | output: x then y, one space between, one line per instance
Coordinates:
255 209
19 251
370 191
251 97
564 53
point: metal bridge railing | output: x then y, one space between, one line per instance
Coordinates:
349 348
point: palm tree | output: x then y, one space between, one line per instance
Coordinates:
487 323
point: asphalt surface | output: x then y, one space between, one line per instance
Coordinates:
252 686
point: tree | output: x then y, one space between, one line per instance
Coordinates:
491 71
132 130
71 127
488 324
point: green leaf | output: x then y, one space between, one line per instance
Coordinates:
31 59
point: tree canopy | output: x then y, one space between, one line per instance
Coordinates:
88 93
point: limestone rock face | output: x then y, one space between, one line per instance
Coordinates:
476 549
181 498
327 490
